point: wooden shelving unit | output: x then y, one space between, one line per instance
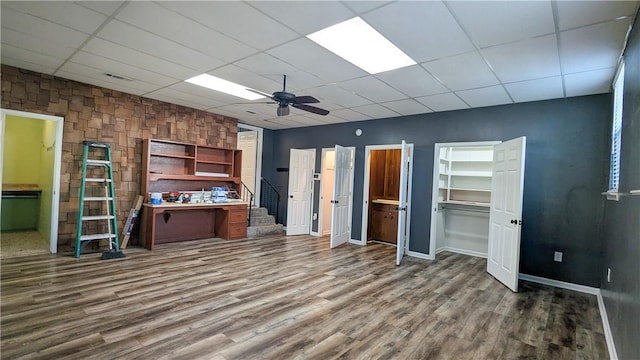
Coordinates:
174 166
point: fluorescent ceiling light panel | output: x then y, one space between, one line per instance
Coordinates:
357 42
227 87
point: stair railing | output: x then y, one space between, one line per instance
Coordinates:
248 197
270 198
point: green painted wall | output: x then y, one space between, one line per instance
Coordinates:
22 150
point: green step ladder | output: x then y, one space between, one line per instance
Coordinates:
109 198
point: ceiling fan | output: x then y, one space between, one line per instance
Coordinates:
284 99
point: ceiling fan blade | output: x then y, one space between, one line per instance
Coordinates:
311 109
260 93
304 100
283 110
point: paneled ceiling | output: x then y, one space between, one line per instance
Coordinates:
469 53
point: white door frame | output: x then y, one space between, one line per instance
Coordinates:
57 166
321 213
365 193
258 159
435 191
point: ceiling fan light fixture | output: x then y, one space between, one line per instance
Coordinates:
360 44
225 86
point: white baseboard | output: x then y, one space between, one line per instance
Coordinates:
560 284
461 251
611 347
419 255
613 354
356 242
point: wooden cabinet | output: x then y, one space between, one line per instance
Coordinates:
384 181
173 166
383 222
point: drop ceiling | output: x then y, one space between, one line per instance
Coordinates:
469 53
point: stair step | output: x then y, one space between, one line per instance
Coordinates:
258 211
262 220
261 230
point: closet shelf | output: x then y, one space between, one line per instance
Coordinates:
470 203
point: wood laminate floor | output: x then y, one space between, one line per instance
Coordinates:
284 298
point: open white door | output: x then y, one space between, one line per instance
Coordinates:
505 217
341 199
301 165
405 158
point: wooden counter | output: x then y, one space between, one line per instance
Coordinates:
172 222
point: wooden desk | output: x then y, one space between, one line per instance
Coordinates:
172 222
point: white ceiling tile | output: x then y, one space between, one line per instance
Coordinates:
90 76
349 115
330 119
26 41
407 107
413 81
364 6
537 89
372 89
425 30
43 60
65 13
314 59
592 47
247 78
488 96
175 92
525 60
134 38
20 63
173 26
272 68
495 22
336 95
171 98
305 17
125 55
589 82
237 20
376 111
43 30
443 102
465 71
572 14
103 7
110 66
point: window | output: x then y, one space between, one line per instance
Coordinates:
616 132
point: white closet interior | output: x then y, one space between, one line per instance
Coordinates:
463 172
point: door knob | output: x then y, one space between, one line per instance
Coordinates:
291 196
514 221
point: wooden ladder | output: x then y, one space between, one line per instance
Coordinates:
108 200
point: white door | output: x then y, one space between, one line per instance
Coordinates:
505 217
301 165
248 143
405 158
341 198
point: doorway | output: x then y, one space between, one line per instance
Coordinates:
387 188
250 142
34 189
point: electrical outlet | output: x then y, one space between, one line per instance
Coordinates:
608 274
557 256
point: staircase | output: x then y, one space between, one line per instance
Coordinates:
262 223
